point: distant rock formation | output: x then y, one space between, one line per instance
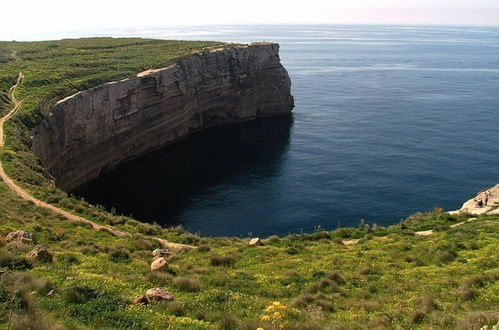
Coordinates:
98 129
489 203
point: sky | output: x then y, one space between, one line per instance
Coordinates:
23 18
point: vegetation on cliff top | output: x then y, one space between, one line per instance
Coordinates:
390 279
56 69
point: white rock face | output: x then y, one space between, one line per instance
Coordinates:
101 128
158 264
491 207
255 242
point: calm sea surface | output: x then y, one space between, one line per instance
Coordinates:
388 121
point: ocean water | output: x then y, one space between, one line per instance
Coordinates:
389 121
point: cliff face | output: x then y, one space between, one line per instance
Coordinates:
98 129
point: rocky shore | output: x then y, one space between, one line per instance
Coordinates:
490 207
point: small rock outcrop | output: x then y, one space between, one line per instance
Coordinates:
485 202
153 295
98 129
160 253
159 264
255 242
40 253
20 236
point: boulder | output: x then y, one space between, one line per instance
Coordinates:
21 236
40 253
255 242
151 295
159 264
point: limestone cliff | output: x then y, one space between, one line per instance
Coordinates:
100 128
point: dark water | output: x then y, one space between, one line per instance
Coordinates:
388 121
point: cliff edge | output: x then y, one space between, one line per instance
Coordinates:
98 129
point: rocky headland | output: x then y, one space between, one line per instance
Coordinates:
97 129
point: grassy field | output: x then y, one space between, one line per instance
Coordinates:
390 279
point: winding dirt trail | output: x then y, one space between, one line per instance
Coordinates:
16 104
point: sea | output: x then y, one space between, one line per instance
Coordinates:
389 121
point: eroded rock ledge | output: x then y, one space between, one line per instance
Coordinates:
101 128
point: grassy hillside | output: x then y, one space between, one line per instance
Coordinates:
391 278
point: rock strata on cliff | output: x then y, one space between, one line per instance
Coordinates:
98 129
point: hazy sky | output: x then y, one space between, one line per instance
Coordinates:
29 17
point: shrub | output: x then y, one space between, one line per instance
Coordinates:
32 320
472 245
186 284
12 262
441 319
478 281
68 258
90 250
119 255
222 260
203 248
446 256
441 227
141 244
175 308
338 240
147 229
159 278
272 239
417 316
476 320
466 293
427 304
189 239
229 322
336 277
319 300
79 295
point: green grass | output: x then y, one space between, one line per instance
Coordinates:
390 279
394 279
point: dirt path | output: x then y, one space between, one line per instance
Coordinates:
16 104
431 231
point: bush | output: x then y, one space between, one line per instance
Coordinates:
32 320
338 240
79 295
159 278
203 248
174 308
229 322
90 250
335 277
12 262
68 258
186 284
443 320
446 256
466 293
417 316
476 320
222 260
119 255
272 239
